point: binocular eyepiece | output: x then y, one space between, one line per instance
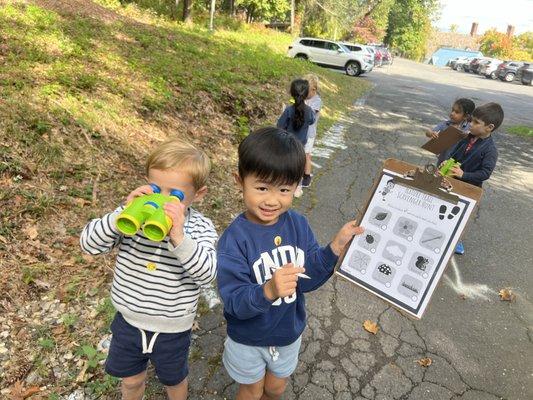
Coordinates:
147 212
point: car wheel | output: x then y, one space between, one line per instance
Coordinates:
459 68
302 57
509 77
526 82
353 68
493 75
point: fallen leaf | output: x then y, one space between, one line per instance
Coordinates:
425 362
370 326
507 295
31 232
195 326
81 202
18 392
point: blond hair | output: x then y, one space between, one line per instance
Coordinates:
177 154
313 80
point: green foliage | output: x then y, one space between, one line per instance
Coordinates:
106 310
409 26
265 10
100 387
522 130
92 355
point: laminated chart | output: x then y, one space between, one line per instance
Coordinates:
409 237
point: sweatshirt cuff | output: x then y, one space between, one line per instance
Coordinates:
185 250
112 220
330 258
259 300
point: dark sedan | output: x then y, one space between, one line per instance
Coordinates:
524 74
507 71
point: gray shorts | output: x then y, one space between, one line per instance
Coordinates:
248 364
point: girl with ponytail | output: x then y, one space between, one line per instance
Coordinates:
297 117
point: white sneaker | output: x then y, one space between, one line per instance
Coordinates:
298 192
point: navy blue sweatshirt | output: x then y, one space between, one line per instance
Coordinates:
479 162
287 118
245 253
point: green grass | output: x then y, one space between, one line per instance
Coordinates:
521 130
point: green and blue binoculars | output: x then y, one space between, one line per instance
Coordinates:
446 168
147 212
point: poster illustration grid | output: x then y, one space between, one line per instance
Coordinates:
409 237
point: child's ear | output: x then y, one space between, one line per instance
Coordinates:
238 180
491 127
200 194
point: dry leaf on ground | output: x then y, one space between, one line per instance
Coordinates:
507 295
370 326
195 326
31 231
425 362
19 393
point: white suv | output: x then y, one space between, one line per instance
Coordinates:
329 54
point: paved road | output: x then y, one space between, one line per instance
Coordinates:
481 347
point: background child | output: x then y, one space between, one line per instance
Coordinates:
297 117
459 117
156 284
477 153
260 257
315 102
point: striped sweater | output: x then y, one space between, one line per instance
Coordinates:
156 285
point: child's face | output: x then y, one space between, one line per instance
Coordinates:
457 115
265 202
169 179
312 91
479 128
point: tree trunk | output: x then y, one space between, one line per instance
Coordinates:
293 11
232 8
187 6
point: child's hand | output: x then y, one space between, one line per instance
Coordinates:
457 172
176 211
283 282
345 234
432 134
140 191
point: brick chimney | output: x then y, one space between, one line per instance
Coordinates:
510 30
473 30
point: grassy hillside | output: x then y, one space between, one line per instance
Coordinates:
86 88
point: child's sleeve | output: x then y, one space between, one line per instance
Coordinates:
440 127
198 255
242 298
283 120
319 265
101 235
488 163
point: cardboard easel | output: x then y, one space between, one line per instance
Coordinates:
424 181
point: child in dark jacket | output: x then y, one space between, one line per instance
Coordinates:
261 260
477 153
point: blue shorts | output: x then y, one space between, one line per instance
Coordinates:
169 353
248 364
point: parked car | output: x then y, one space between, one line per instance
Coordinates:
524 74
330 54
489 68
460 64
472 65
363 50
455 60
507 71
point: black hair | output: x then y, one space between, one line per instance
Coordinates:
490 113
273 155
299 92
467 106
